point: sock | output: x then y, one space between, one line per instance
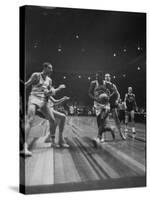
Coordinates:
133 129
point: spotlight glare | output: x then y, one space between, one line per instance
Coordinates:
114 54
138 48
138 68
59 49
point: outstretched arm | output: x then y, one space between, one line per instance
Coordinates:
58 101
52 91
31 80
60 87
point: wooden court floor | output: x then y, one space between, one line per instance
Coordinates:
116 163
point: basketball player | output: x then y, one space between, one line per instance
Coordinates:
131 107
98 88
62 119
113 100
41 89
121 111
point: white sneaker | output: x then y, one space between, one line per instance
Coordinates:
102 140
26 152
126 130
48 140
63 144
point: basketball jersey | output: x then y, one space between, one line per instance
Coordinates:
99 89
130 100
39 87
113 94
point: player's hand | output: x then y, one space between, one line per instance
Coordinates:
66 98
62 86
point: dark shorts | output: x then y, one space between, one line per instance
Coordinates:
122 115
129 109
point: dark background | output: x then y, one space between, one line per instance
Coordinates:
80 42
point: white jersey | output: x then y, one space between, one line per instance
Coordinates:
39 87
37 96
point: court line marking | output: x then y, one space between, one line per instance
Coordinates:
121 154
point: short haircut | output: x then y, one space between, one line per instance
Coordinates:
100 73
46 64
107 74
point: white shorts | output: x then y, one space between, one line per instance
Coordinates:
38 101
99 107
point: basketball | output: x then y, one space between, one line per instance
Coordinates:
103 98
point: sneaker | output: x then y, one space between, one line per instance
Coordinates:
126 130
48 140
55 145
102 140
123 135
63 144
97 141
26 152
133 135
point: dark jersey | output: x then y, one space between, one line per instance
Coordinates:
100 89
113 93
130 101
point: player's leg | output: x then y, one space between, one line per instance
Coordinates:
48 114
126 120
117 122
133 123
62 119
28 124
106 127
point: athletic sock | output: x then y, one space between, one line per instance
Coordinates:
133 129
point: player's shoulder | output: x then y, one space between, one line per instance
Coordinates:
36 74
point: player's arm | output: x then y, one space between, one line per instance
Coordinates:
58 101
135 104
115 91
60 87
91 90
31 80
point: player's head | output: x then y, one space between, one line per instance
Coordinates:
99 76
130 89
107 77
47 68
